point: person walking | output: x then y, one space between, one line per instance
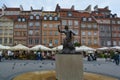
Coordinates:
0 55
116 58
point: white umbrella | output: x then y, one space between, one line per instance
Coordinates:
103 48
57 48
84 48
40 47
19 47
115 47
2 47
7 47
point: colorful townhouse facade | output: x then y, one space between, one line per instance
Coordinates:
93 28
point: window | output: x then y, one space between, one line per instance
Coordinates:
50 25
45 18
113 22
45 25
64 22
30 24
95 41
56 25
89 42
56 18
30 41
83 41
95 33
89 19
69 13
82 25
37 17
45 33
23 19
83 33
56 41
114 43
31 16
36 41
50 32
76 23
50 41
95 26
5 40
89 33
30 32
119 43
10 40
0 40
37 32
84 19
45 41
24 26
50 18
76 32
118 22
1 31
89 26
108 43
56 33
19 19
37 24
70 22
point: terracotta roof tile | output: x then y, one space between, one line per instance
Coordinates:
12 9
103 9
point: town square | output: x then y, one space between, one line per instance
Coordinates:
59 40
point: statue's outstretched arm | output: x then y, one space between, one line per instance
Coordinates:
73 33
59 29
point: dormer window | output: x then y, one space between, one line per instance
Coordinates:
23 19
84 19
19 19
37 17
45 18
50 18
31 16
56 18
69 13
89 19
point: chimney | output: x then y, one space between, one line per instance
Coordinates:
107 7
96 8
88 9
42 8
31 8
72 7
4 6
21 7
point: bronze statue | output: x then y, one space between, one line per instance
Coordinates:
68 46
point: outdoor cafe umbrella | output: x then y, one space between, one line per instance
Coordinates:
2 47
40 47
103 48
115 47
19 47
84 48
60 47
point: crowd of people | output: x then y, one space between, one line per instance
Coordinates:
113 56
26 55
40 55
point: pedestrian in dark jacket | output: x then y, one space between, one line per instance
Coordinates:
116 58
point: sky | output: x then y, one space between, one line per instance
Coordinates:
114 5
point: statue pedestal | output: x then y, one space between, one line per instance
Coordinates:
69 67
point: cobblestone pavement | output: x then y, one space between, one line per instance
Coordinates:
11 68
